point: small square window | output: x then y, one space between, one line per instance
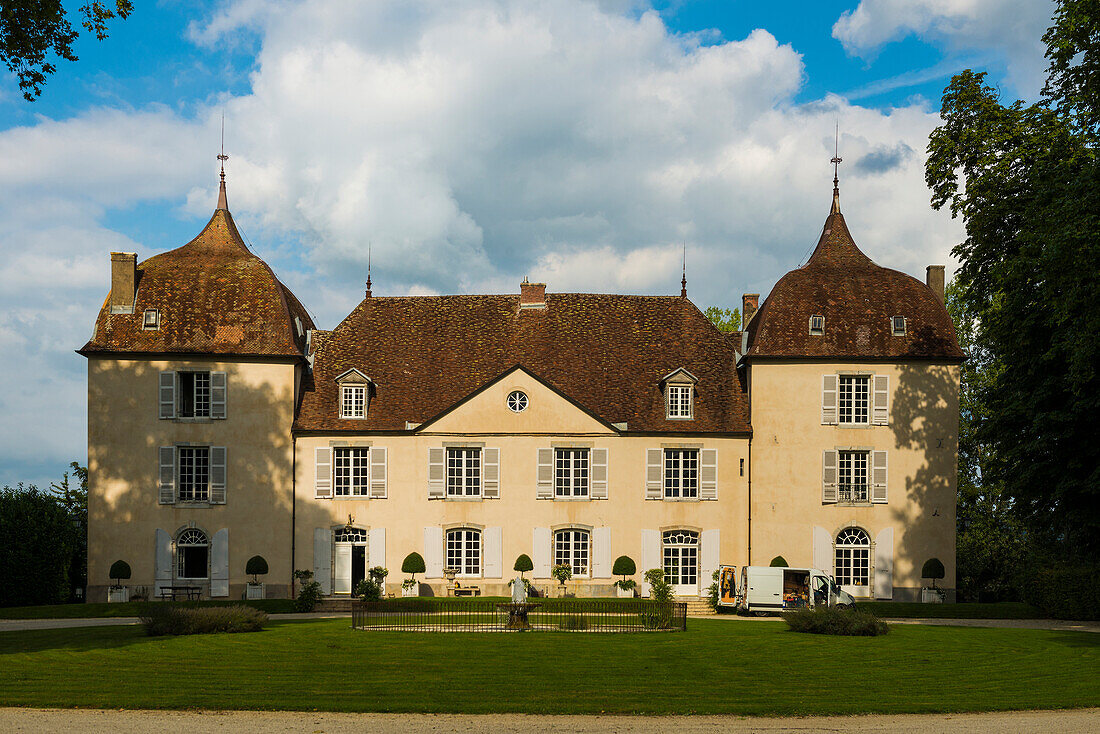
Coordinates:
899 325
817 325
151 319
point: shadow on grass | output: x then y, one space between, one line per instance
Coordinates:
76 639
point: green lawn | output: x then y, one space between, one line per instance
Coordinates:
999 610
717 666
129 609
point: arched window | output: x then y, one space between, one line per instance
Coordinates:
464 551
192 554
681 557
571 549
853 557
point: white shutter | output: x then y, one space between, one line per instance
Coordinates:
651 555
167 395
433 552
878 476
828 399
708 474
709 556
655 474
828 477
823 550
490 474
322 559
437 476
884 564
163 556
545 479
218 391
378 472
492 560
881 414
341 576
598 490
376 549
217 474
540 551
167 457
601 553
219 563
322 462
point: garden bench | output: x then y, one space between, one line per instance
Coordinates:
173 592
466 591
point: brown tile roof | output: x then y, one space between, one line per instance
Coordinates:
214 297
604 352
858 299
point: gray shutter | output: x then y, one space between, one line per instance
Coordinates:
322 559
829 477
437 476
433 552
322 481
880 415
167 465
878 476
163 557
708 474
598 488
884 564
376 547
651 555
378 473
492 563
167 395
601 553
219 563
829 413
540 552
545 479
709 555
218 461
823 549
490 474
218 392
655 474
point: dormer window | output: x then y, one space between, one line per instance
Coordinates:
898 323
151 319
817 325
679 387
355 394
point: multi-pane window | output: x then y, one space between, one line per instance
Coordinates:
853 558
681 557
353 401
852 476
194 473
193 400
192 554
351 472
571 472
463 472
464 551
571 549
679 401
681 473
817 325
854 398
898 323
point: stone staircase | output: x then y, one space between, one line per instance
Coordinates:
334 605
696 606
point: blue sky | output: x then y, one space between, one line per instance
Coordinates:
472 144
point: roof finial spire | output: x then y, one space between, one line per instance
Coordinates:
684 279
368 267
223 202
836 161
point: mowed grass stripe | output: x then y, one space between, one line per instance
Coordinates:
715 667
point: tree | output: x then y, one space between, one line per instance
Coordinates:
36 538
933 569
74 500
120 571
1026 181
779 562
32 29
724 318
523 564
413 564
624 566
255 567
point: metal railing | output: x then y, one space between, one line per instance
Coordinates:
541 615
853 492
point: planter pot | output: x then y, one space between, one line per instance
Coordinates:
411 591
931 596
624 593
254 591
118 593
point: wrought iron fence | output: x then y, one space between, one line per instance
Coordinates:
853 493
541 615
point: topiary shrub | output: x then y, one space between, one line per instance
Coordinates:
255 567
933 569
836 621
166 619
523 564
414 564
779 562
309 593
624 566
120 570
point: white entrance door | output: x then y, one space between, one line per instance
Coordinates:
681 561
342 569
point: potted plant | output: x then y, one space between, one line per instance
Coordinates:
624 566
562 572
932 569
413 564
117 592
256 566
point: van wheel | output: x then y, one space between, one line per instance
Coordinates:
758 613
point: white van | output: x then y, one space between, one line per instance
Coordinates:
765 589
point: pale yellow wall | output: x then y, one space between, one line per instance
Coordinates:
124 432
922 444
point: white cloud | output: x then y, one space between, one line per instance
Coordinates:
1013 28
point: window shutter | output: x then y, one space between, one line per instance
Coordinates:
437 476
829 414
655 474
601 553
433 552
878 476
322 462
376 547
217 475
322 559
540 549
881 414
167 475
219 563
545 479
163 556
490 475
651 555
218 393
708 474
709 555
598 490
829 477
378 473
493 559
167 395
823 549
884 564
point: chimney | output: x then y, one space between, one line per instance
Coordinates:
934 278
532 295
749 303
123 281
